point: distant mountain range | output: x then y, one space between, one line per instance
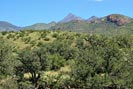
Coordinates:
75 23
6 26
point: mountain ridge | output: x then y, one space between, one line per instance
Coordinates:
74 23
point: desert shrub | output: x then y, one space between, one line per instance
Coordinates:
33 42
26 40
47 39
4 32
10 36
55 35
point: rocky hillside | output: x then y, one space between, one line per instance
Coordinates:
118 19
95 24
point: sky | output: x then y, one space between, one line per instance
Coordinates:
28 12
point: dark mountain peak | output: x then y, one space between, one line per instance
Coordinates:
93 19
70 17
118 19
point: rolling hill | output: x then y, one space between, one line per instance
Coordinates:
41 26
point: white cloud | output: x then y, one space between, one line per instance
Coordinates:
95 0
98 0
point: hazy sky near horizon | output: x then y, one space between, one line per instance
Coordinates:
28 12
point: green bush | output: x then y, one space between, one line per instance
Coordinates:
56 61
4 32
9 84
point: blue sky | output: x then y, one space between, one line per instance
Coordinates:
27 12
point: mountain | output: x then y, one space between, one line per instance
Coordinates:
6 26
71 22
95 24
40 26
69 18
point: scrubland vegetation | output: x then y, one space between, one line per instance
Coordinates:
33 59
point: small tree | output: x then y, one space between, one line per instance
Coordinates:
30 64
33 61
